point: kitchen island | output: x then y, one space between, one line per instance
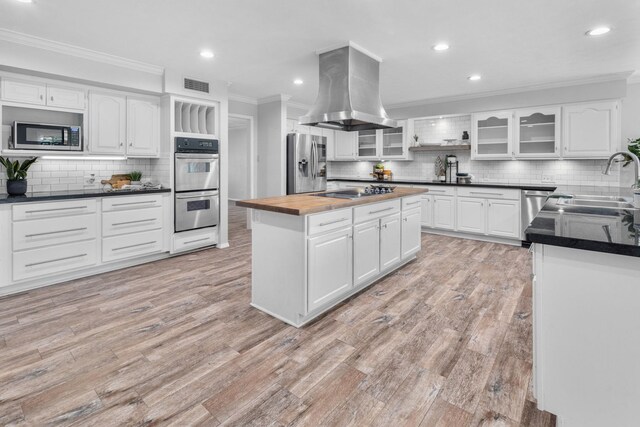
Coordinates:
311 252
586 309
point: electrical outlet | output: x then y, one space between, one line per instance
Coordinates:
548 179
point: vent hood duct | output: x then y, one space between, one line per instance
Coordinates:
349 93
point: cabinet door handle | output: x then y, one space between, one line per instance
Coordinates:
56 209
322 224
41 97
381 210
121 144
33 264
405 219
134 222
52 98
55 232
134 203
486 193
134 246
131 144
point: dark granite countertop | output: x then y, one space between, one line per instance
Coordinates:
539 187
73 194
609 230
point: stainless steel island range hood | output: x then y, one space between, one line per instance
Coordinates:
349 93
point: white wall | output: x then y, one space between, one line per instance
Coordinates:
271 149
239 140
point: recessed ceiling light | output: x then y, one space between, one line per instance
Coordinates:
474 77
598 31
440 47
206 54
298 82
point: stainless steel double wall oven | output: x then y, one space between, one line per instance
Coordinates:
197 181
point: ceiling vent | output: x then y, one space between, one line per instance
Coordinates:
196 85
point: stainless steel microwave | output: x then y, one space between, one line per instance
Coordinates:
38 136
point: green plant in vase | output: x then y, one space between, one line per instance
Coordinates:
17 175
135 177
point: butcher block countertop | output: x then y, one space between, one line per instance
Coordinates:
305 204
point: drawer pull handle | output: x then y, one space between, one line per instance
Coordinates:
134 222
437 191
134 246
197 240
56 209
56 232
55 260
491 194
322 224
134 203
414 203
381 210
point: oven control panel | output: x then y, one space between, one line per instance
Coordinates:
196 145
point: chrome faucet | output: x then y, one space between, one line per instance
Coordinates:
628 156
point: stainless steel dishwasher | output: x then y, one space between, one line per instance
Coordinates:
532 201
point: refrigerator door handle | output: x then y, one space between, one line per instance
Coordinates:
315 159
311 160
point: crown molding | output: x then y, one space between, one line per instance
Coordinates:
280 97
79 52
551 85
243 99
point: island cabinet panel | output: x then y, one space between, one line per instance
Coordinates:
366 250
390 239
411 237
330 267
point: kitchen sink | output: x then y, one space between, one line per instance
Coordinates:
611 202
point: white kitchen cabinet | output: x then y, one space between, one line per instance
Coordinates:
345 145
471 215
411 232
590 227
367 144
444 212
107 124
143 128
426 211
383 144
390 241
537 132
64 97
330 136
330 267
590 130
503 218
24 91
31 92
292 125
492 135
366 251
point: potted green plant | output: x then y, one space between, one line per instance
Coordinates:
17 175
135 177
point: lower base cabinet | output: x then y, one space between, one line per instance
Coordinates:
444 212
330 267
366 250
471 215
503 218
390 241
411 233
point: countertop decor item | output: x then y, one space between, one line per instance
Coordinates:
117 181
465 135
439 168
415 141
17 175
135 177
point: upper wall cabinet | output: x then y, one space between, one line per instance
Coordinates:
344 146
385 144
124 126
537 133
492 135
590 130
36 93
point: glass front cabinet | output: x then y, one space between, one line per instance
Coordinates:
492 135
537 132
384 144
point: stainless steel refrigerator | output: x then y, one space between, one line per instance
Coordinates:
306 163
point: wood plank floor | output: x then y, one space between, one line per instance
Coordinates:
445 341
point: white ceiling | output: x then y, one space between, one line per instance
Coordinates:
262 45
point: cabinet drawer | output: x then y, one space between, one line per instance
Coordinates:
411 202
131 221
195 239
489 193
131 202
46 261
333 220
439 190
376 210
131 245
48 232
53 209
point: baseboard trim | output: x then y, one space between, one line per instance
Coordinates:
471 236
